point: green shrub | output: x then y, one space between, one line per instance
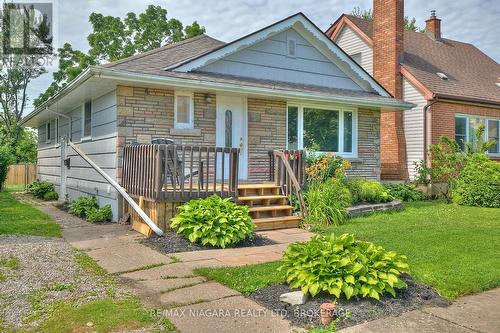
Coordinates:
342 265
51 196
479 183
366 190
215 221
40 189
81 206
321 167
404 192
327 202
99 214
5 161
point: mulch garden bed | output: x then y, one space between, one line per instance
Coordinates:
172 242
359 310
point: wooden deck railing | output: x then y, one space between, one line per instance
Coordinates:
288 171
179 173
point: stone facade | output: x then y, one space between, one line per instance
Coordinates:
266 131
367 165
145 114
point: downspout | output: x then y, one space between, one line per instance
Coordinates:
426 122
120 190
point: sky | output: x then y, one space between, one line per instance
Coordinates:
471 21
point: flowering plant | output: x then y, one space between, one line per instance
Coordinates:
322 167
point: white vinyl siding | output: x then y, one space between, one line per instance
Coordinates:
353 44
413 120
81 179
270 59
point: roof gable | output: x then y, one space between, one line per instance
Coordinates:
332 67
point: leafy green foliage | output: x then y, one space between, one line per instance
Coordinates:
326 203
321 167
343 266
367 190
404 192
367 14
40 189
51 196
215 221
81 206
479 183
113 38
5 161
99 214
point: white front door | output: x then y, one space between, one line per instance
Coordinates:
231 129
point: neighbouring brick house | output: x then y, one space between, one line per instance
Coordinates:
285 86
454 85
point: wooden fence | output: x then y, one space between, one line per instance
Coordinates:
179 173
21 174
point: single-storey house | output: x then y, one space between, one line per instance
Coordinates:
287 85
454 85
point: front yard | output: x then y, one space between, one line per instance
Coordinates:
451 248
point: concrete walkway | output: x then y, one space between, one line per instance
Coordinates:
195 305
476 313
170 286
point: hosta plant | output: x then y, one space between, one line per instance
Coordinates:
343 266
81 206
214 221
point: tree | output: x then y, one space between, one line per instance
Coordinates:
27 41
367 14
113 38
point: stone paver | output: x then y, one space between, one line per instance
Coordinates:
179 269
228 315
478 312
164 285
127 257
410 322
203 292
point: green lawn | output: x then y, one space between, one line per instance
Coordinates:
21 219
452 248
245 279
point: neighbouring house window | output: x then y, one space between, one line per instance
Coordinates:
461 131
291 47
292 119
493 129
87 119
47 132
57 129
183 117
466 126
323 129
229 129
357 57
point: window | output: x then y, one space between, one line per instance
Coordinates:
466 126
57 129
292 120
87 119
357 58
493 134
48 133
325 129
461 131
183 117
291 47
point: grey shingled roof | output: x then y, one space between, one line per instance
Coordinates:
155 61
471 73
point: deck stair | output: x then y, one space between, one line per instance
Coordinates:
268 208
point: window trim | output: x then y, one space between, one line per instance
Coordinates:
48 138
87 137
485 119
330 107
189 125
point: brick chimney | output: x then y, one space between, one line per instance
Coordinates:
433 27
388 38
